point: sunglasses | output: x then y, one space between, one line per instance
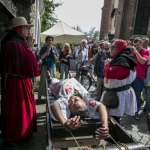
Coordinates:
112 47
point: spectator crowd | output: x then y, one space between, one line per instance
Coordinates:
122 71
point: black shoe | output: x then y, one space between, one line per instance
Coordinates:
142 103
144 110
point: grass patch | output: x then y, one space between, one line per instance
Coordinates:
57 73
36 85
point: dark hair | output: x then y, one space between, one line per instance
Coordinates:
82 112
49 37
137 40
128 41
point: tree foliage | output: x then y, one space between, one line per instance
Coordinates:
49 18
78 28
93 35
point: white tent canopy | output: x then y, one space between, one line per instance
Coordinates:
63 33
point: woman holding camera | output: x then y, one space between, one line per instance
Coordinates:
49 56
81 55
64 57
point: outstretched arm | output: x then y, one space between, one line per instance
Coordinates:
71 124
103 132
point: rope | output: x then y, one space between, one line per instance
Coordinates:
115 143
75 140
104 146
125 146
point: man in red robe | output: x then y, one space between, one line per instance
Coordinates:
18 66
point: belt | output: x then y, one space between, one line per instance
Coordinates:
119 89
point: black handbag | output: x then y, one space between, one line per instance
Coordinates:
111 99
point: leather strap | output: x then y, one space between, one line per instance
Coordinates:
119 89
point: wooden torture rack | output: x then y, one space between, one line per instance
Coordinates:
59 138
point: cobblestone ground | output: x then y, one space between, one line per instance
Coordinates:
138 129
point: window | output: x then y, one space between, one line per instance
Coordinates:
142 17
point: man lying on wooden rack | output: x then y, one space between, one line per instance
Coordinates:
79 107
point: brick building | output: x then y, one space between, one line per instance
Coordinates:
125 19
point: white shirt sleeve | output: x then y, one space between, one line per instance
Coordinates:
92 105
64 108
76 55
87 54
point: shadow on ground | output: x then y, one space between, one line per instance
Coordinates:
37 141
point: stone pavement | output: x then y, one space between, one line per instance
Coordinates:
138 129
37 141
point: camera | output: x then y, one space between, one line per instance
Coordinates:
35 45
51 53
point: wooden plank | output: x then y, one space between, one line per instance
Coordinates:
120 133
72 143
87 122
83 130
49 140
148 120
47 102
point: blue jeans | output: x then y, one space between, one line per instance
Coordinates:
64 69
138 85
147 92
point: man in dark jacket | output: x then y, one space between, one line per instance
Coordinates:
99 66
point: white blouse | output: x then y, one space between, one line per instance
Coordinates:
63 89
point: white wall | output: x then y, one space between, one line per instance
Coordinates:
116 2
39 10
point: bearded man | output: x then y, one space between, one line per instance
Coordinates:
99 66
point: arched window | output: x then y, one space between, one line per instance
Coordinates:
142 17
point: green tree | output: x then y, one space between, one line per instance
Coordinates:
78 28
93 35
49 18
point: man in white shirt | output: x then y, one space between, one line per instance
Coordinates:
145 42
68 105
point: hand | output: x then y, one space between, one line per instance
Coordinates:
73 123
107 61
53 52
81 48
37 49
30 42
134 49
67 56
48 50
102 133
65 60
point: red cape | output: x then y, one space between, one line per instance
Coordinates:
18 108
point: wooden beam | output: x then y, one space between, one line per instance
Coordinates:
148 120
49 140
120 133
72 143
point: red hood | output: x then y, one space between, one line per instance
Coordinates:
121 45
